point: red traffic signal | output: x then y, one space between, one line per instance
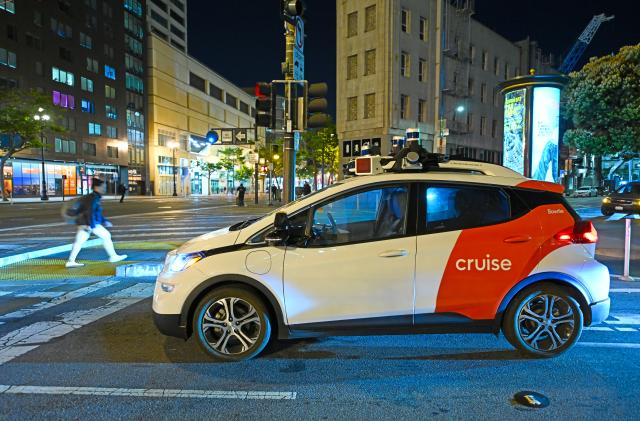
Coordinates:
265 104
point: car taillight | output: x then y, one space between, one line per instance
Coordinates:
582 232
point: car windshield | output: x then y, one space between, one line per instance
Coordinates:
629 188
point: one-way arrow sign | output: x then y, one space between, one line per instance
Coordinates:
229 136
240 135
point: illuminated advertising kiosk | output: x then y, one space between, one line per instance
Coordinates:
531 141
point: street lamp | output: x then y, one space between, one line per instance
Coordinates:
43 118
442 123
174 145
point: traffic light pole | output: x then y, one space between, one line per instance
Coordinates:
289 152
256 176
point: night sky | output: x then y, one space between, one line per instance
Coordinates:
245 44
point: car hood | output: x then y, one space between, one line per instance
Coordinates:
212 240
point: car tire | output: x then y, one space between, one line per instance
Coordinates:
606 212
224 338
537 330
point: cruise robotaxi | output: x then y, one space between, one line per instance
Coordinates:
414 244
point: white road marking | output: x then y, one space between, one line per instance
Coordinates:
164 207
624 319
142 290
626 329
59 300
5 293
627 290
609 345
599 328
40 294
147 393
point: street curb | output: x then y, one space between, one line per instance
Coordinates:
139 270
622 278
17 258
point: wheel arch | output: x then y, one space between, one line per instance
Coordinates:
273 306
561 279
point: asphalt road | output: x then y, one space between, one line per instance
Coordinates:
88 350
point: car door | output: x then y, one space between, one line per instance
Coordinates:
474 243
356 267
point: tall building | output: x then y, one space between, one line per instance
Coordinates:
424 64
168 20
73 52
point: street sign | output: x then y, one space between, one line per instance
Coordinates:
298 51
227 135
230 136
296 141
300 34
240 136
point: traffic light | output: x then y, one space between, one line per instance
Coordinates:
316 105
290 9
265 105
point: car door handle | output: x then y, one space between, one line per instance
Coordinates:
518 239
394 253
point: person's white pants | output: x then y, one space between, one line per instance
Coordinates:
83 234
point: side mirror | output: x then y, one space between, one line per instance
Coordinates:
276 238
281 222
281 230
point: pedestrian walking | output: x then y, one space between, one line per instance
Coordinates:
274 192
241 191
122 190
306 188
89 219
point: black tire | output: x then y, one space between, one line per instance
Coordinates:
606 212
517 331
235 346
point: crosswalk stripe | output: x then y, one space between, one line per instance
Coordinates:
58 300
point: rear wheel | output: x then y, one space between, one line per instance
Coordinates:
544 321
606 212
232 324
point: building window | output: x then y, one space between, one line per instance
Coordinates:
89 148
404 107
496 101
134 83
197 82
496 66
494 128
33 41
86 84
60 29
370 62
91 3
506 71
406 21
472 53
112 151
64 100
107 10
65 54
12 32
95 129
68 123
39 68
422 111
108 51
424 27
352 67
483 126
352 24
159 19
109 92
65 146
369 105
8 6
244 107
470 122
133 64
352 108
215 92
370 18
231 100
422 70
112 133
405 64
133 45
109 72
178 4
177 17
57 75
87 106
485 60
111 112
133 25
9 59
86 41
134 6
472 87
92 65
175 31
483 93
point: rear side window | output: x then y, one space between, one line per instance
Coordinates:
536 198
450 208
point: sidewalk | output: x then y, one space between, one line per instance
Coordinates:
263 198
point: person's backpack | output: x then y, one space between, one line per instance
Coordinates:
71 210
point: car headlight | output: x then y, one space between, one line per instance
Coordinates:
183 261
606 200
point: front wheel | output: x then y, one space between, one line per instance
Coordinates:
232 324
606 212
543 321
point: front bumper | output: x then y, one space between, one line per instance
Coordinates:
600 311
623 208
169 324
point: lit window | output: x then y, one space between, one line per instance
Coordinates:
109 72
86 84
111 112
112 132
95 129
86 41
8 6
62 76
87 106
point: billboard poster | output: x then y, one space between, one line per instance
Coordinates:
515 105
545 134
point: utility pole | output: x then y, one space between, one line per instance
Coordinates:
289 152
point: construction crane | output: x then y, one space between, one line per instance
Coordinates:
583 41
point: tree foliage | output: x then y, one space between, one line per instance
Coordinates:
602 102
18 128
209 168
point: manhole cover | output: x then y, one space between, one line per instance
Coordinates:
531 399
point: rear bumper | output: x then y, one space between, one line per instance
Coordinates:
169 324
600 311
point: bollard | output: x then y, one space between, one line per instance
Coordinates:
627 248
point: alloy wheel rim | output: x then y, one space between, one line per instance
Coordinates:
546 322
230 325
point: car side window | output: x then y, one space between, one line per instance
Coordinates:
451 208
362 216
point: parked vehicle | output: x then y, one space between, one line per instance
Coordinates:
626 199
458 247
585 191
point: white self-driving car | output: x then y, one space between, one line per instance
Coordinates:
455 247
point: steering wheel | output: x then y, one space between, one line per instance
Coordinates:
334 226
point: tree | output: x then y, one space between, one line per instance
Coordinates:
244 173
18 129
209 168
231 156
320 148
602 102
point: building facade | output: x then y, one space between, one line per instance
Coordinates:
424 64
71 51
168 20
186 99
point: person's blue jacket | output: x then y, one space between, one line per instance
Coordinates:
91 211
